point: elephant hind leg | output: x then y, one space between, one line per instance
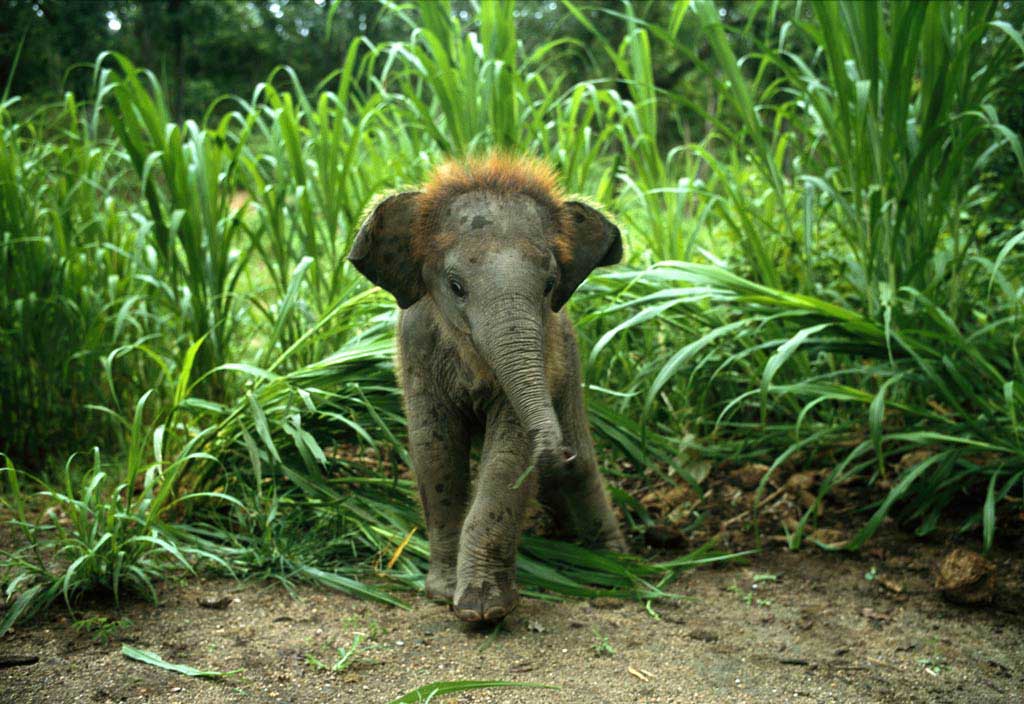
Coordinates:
576 494
578 502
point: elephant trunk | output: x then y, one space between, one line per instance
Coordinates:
512 344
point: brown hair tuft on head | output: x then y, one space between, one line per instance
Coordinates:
495 173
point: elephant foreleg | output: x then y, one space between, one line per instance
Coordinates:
486 588
439 450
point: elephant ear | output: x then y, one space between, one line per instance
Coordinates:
382 249
593 241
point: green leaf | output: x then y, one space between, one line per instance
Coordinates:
181 388
150 658
428 691
988 514
28 602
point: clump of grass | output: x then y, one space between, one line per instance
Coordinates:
102 629
102 528
602 647
347 656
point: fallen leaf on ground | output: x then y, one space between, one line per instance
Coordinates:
870 613
749 475
151 658
697 469
889 584
680 514
642 675
606 602
807 499
666 498
829 538
912 458
802 481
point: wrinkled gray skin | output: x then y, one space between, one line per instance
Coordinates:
485 352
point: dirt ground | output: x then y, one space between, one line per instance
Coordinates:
783 627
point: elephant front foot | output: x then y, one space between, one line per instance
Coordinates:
486 600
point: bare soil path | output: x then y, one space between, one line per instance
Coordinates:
784 627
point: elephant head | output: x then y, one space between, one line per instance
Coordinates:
495 247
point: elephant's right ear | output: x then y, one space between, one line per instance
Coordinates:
382 249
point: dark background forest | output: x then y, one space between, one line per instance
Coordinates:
204 49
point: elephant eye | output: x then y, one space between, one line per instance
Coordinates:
549 286
456 288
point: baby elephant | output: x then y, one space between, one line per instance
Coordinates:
481 261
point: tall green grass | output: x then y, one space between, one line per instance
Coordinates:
817 271
868 298
67 299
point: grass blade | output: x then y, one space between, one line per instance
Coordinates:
150 658
427 692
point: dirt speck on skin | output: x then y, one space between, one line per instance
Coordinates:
784 627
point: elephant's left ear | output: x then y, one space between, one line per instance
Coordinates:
593 241
382 249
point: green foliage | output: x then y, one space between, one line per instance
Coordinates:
346 656
100 628
869 278
65 300
815 260
429 692
150 658
102 528
602 647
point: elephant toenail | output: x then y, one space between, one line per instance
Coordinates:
468 615
495 613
